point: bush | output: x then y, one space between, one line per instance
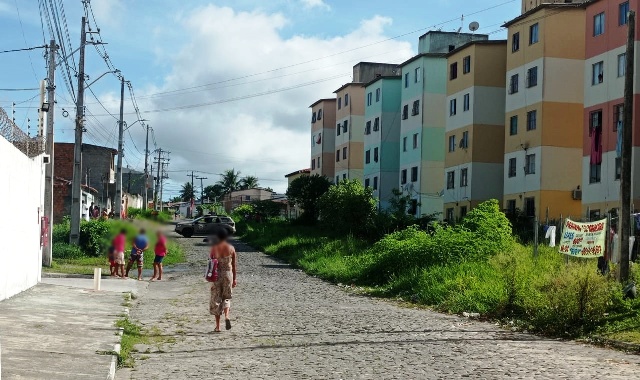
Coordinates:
66 251
94 237
348 207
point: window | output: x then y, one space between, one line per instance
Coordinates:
339 103
375 183
465 102
344 153
406 80
618 168
369 99
513 125
376 124
416 108
404 144
338 155
367 157
403 177
413 207
532 77
597 71
530 164
464 142
451 180
595 121
515 42
319 114
366 182
512 167
532 117
453 71
337 179
367 128
345 128
415 141
405 112
318 162
623 15
450 215
511 206
344 176
533 34
595 171
618 116
463 211
414 174
313 164
375 154
452 143
452 107
464 177
417 75
513 84
346 99
313 118
466 64
622 64
377 95
598 24
530 207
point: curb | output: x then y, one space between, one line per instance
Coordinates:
116 352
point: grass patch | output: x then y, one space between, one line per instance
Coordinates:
133 334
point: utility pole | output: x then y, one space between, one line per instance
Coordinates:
48 186
164 176
627 146
155 202
76 188
160 162
201 189
118 212
146 170
192 195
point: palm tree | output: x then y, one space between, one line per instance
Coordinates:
249 182
230 181
186 193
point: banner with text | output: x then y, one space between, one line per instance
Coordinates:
583 239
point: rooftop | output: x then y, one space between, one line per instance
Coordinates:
301 171
398 77
479 42
542 6
322 100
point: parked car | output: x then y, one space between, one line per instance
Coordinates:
205 226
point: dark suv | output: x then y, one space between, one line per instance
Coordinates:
206 226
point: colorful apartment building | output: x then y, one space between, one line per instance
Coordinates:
544 111
423 121
349 131
474 134
604 77
528 5
382 137
323 137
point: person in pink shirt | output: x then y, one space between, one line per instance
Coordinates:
118 244
160 251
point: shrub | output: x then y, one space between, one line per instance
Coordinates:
94 237
348 207
61 232
66 251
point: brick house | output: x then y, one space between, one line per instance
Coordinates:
98 173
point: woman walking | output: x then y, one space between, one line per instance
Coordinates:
220 301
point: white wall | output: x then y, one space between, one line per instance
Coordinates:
22 194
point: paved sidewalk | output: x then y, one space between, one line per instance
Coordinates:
62 331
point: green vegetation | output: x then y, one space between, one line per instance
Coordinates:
96 236
158 216
475 266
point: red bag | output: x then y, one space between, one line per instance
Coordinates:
212 271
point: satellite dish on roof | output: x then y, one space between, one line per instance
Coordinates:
474 26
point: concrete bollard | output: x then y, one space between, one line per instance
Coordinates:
97 276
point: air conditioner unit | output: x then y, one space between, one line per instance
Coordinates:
577 195
46 159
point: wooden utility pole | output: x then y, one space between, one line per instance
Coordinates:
627 145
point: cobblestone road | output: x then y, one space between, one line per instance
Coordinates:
288 325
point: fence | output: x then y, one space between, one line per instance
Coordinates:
31 146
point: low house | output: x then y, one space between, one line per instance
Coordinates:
293 210
240 197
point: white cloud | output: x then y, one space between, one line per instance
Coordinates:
5 7
315 4
267 136
108 12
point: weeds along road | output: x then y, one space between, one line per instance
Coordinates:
287 325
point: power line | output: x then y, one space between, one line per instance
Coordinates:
23 49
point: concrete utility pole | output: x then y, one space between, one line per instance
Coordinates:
48 170
76 188
192 195
627 151
146 170
118 205
164 176
201 189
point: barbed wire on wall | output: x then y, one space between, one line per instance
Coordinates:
30 146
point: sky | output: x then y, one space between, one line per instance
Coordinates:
223 84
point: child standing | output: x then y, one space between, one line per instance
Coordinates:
113 267
160 251
118 245
140 244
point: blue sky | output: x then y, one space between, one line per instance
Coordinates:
178 44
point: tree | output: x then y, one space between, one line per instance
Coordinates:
269 189
305 191
249 182
175 200
349 207
229 181
186 193
213 192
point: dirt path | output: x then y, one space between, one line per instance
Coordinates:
288 325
